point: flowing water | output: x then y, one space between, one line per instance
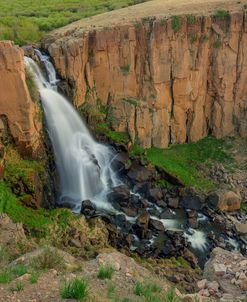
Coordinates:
84 166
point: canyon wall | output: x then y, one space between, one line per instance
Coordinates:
166 80
18 113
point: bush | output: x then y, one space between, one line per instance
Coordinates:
221 13
105 271
48 259
176 23
191 19
76 289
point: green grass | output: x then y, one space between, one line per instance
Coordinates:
26 21
147 290
10 273
105 271
34 277
76 289
176 23
5 276
185 160
222 13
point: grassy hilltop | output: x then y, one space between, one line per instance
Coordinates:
26 21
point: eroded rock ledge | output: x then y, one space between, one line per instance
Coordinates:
165 83
18 113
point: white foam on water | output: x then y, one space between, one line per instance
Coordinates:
197 239
83 164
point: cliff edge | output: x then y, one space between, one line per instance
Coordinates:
168 71
18 113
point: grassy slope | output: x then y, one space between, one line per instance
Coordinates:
26 21
190 162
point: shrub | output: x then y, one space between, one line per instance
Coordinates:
205 38
192 38
171 296
176 23
34 277
105 271
18 286
221 13
125 69
191 19
19 270
217 43
5 277
146 290
48 259
76 289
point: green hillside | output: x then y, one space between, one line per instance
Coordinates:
26 21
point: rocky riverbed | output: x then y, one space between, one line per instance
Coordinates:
154 218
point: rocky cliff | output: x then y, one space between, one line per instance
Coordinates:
168 76
18 113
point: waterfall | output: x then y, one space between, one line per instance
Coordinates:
84 165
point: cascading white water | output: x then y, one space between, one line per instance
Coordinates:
84 165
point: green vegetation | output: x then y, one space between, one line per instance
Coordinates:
105 271
99 118
111 291
176 23
222 13
131 101
32 86
148 291
217 43
205 38
18 287
34 277
76 289
26 21
125 69
191 19
193 38
48 259
185 161
10 273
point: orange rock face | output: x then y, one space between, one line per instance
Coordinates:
18 113
164 86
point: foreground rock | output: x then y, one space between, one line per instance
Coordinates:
225 276
19 118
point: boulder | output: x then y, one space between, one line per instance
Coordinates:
225 201
156 225
191 200
173 202
88 208
121 192
241 228
155 194
138 173
221 268
166 214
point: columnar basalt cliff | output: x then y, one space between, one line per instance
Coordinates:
18 113
166 79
